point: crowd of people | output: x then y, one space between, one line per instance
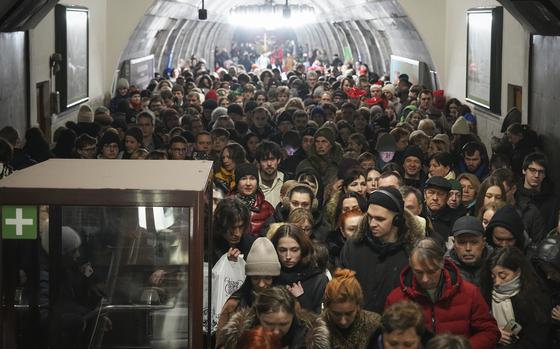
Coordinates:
368 211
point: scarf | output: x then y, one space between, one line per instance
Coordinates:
502 309
248 200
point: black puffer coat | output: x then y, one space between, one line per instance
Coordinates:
378 265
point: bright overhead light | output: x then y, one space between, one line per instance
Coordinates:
271 17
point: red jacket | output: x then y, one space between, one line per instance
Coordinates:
460 309
260 212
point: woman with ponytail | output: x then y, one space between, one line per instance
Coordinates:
350 326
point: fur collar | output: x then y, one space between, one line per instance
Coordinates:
316 336
413 231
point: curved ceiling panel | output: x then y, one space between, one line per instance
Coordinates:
371 30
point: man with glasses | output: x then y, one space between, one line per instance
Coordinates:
109 146
86 146
178 148
449 303
379 249
436 194
146 122
537 191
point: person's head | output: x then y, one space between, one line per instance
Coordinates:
534 170
469 241
491 190
506 228
470 185
220 139
504 267
509 182
343 298
109 145
440 164
232 219
133 139
448 341
474 155
146 122
421 139
401 137
300 196
275 308
232 155
178 148
349 222
262 264
425 99
436 192
515 133
293 246
259 337
487 212
261 117
402 325
428 126
86 146
311 179
412 161
385 213
354 181
247 179
358 143
390 179
426 262
268 156
440 143
303 218
371 179
413 200
455 194
324 141
203 142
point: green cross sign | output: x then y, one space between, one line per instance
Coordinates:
19 222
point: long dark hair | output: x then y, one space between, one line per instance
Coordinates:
531 292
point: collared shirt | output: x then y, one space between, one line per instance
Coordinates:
272 193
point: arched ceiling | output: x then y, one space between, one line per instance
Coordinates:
371 29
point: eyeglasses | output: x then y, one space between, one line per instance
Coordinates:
535 171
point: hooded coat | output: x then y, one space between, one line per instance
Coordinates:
378 265
359 335
460 308
260 212
326 166
307 331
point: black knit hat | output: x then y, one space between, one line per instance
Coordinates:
415 151
380 197
507 217
245 169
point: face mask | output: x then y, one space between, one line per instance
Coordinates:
387 156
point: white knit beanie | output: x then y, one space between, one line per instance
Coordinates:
262 259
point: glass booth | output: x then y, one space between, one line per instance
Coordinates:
104 254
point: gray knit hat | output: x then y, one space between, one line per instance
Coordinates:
122 83
216 113
460 127
85 114
262 259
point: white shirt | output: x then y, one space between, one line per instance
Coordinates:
272 193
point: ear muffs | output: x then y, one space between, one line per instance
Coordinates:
286 199
398 220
